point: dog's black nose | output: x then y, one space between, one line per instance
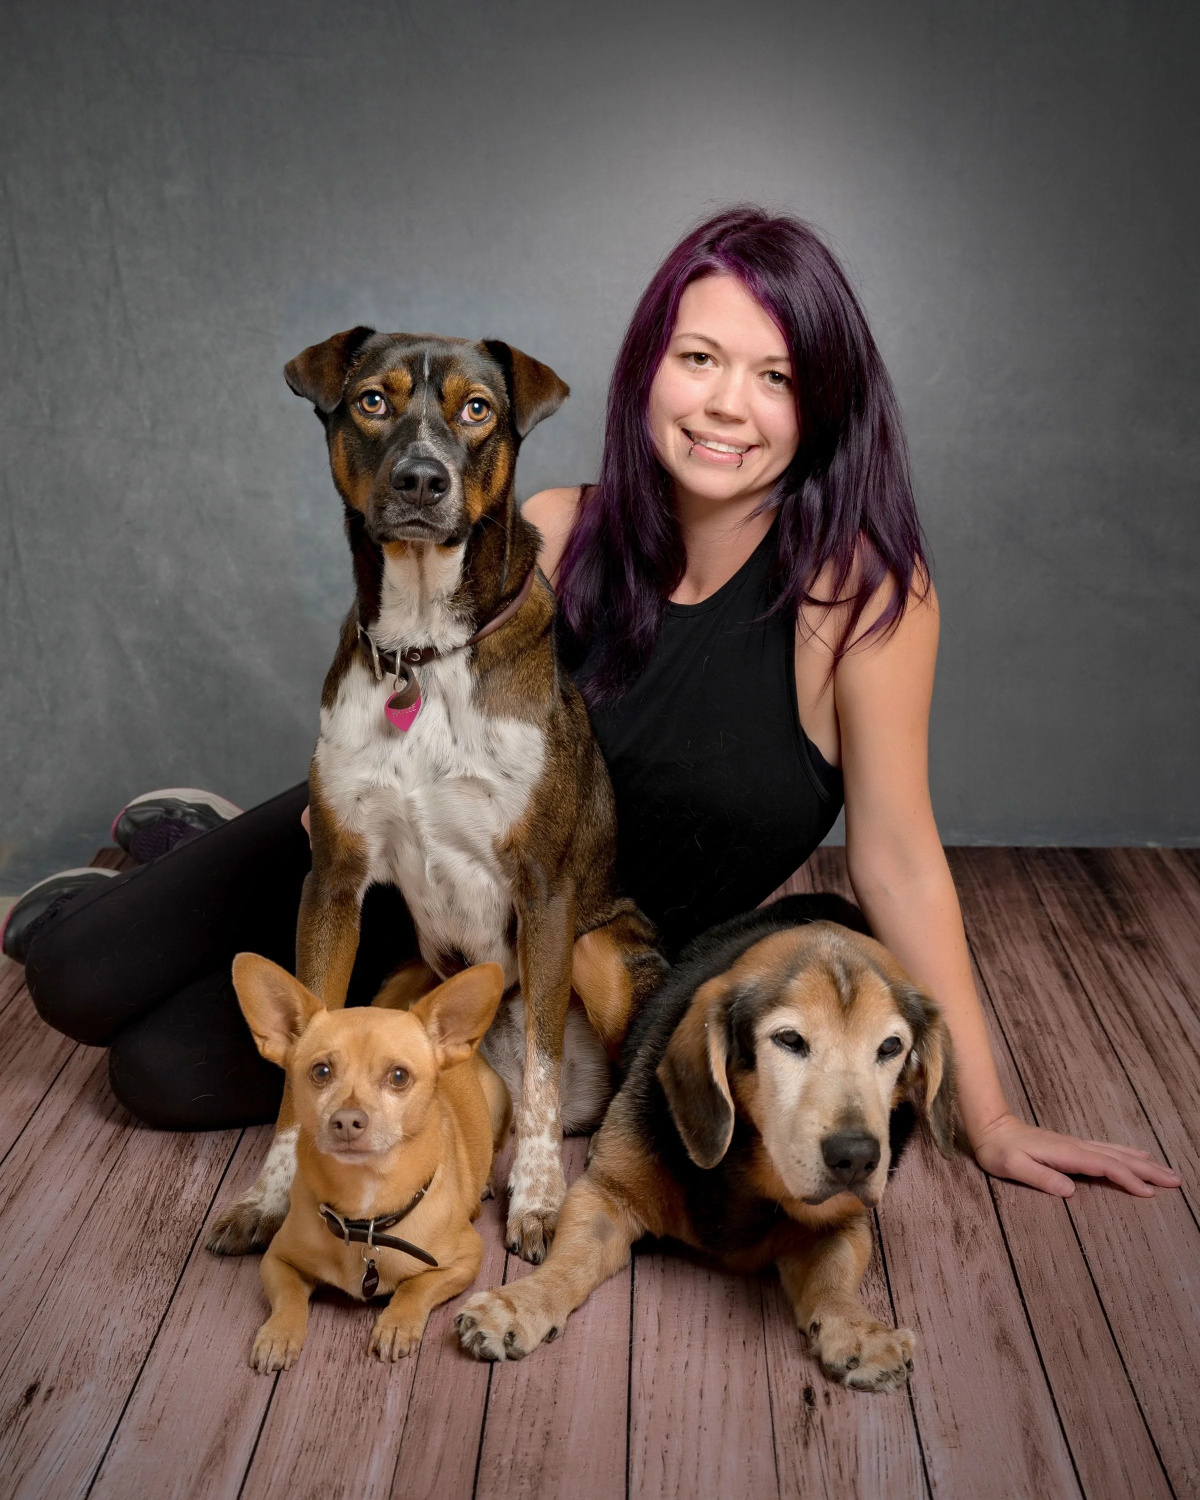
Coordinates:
348 1124
850 1155
421 481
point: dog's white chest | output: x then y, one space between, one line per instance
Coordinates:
432 805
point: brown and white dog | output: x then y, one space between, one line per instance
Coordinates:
754 1125
398 1120
491 809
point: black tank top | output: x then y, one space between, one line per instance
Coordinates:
720 793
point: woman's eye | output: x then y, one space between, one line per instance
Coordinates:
476 410
791 1041
320 1072
372 403
778 379
699 359
398 1077
890 1048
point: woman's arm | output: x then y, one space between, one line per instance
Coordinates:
882 691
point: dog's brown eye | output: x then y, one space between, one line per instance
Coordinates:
791 1041
890 1048
320 1072
476 410
372 403
398 1077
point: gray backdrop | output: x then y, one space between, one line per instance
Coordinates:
192 193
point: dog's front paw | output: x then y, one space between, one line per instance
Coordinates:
536 1189
277 1347
396 1337
530 1234
502 1324
861 1353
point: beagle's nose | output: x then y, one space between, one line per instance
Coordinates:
420 481
348 1124
850 1155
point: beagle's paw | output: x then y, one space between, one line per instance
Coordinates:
861 1353
277 1347
504 1324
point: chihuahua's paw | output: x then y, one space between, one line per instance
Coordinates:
253 1221
277 1347
395 1338
504 1324
861 1353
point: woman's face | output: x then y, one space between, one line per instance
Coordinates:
722 413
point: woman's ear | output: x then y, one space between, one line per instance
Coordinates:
534 391
928 1077
693 1074
319 372
276 1005
457 1013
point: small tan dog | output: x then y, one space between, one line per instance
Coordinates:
399 1119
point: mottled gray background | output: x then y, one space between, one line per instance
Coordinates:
192 193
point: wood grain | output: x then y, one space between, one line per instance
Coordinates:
79 1358
831 1442
31 1059
556 1421
196 1394
1075 1083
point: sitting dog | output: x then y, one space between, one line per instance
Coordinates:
398 1119
753 1125
455 758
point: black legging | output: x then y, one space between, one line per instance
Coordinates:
142 966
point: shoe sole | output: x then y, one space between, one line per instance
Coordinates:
58 875
195 796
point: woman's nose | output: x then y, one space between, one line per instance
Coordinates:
727 397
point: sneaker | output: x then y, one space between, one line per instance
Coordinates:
41 903
156 822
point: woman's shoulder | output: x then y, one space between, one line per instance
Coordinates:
553 512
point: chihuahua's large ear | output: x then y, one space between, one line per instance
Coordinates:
319 372
693 1074
534 391
457 1013
928 1075
276 1006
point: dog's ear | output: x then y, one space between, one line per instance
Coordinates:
534 391
457 1013
319 372
276 1006
928 1075
694 1077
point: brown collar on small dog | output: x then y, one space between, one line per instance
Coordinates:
366 1231
388 663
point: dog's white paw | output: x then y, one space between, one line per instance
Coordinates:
861 1353
536 1189
504 1324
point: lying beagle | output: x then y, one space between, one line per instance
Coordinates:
753 1125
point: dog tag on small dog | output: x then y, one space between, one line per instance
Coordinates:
404 704
370 1281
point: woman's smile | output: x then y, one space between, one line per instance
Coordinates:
712 450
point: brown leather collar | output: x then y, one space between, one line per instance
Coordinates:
366 1231
388 663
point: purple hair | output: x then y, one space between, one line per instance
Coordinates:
845 501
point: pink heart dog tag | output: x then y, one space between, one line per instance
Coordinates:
404 704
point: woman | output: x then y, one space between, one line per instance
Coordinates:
748 611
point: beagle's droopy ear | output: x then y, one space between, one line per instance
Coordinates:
693 1074
457 1013
928 1076
534 391
319 372
276 1006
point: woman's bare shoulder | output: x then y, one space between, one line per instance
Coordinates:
553 512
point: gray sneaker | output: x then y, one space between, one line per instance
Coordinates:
41 903
156 822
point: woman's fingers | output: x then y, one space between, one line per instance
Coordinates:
1043 1158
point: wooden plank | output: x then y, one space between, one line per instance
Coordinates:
12 980
1158 886
984 1410
50 1182
31 1059
197 1395
1075 1083
443 1430
700 1420
829 1441
80 1353
799 884
556 1421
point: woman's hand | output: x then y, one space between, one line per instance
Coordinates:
1008 1147
306 825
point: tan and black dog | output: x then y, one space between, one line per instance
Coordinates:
753 1125
455 758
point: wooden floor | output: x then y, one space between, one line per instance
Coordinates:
1059 1343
